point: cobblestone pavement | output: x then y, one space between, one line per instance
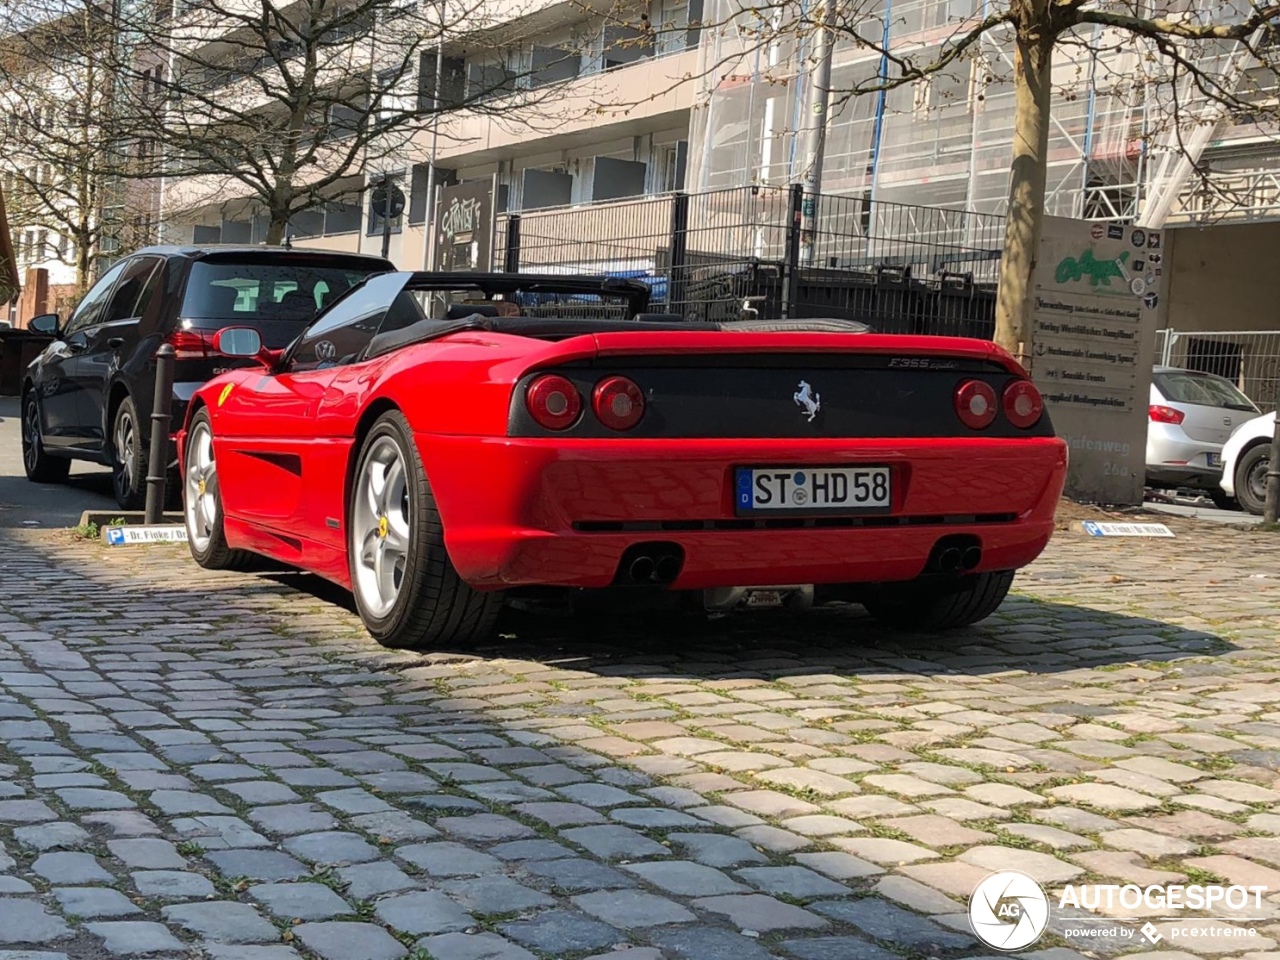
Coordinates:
224 766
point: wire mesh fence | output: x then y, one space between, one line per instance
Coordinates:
776 252
1248 358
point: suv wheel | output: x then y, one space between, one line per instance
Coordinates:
128 457
40 467
1251 478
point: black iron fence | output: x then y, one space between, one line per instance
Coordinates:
716 255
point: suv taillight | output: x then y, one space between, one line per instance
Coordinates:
190 344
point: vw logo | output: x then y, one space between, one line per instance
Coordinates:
325 350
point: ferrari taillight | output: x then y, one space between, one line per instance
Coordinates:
190 345
553 402
1023 404
975 404
618 403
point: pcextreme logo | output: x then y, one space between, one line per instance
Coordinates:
1099 272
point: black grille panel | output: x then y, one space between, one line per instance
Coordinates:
789 523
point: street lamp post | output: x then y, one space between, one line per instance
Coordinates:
1271 505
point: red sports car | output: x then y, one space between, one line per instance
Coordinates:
436 443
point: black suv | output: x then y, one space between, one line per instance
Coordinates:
88 396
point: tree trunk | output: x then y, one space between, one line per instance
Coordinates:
1033 68
275 230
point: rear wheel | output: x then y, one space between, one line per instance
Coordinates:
1222 501
935 606
202 502
407 591
128 457
39 466
1251 478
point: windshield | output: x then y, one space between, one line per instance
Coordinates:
1202 389
229 291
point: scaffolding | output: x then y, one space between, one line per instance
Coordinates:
945 142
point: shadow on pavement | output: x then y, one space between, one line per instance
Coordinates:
1025 634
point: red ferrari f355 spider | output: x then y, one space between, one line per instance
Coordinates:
436 443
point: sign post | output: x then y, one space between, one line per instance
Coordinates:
388 200
1099 292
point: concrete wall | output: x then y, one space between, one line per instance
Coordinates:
1224 278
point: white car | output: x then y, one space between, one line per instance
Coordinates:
1245 458
1192 414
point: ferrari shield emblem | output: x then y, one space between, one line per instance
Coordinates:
226 392
384 527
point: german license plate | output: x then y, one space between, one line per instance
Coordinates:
818 490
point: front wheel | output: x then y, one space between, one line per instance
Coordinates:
128 457
1251 478
927 605
39 466
407 592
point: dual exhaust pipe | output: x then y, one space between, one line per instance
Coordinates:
658 564
650 564
954 555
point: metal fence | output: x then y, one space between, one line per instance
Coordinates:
1248 358
714 255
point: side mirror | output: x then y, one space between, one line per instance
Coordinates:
46 323
238 342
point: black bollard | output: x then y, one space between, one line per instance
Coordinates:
158 464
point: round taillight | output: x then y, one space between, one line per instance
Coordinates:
553 402
975 404
1023 404
618 403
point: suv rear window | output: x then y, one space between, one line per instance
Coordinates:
229 291
1203 389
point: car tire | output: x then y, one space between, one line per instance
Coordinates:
39 465
202 502
1251 478
128 457
924 605
1222 501
418 602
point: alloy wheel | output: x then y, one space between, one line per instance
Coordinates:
126 456
31 435
379 530
201 501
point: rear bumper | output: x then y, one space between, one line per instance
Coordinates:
1174 459
524 512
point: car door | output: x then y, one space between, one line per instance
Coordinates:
59 388
274 459
109 343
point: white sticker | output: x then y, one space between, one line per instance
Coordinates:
1095 529
169 533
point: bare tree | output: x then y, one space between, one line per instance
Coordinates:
1193 66
56 94
281 107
